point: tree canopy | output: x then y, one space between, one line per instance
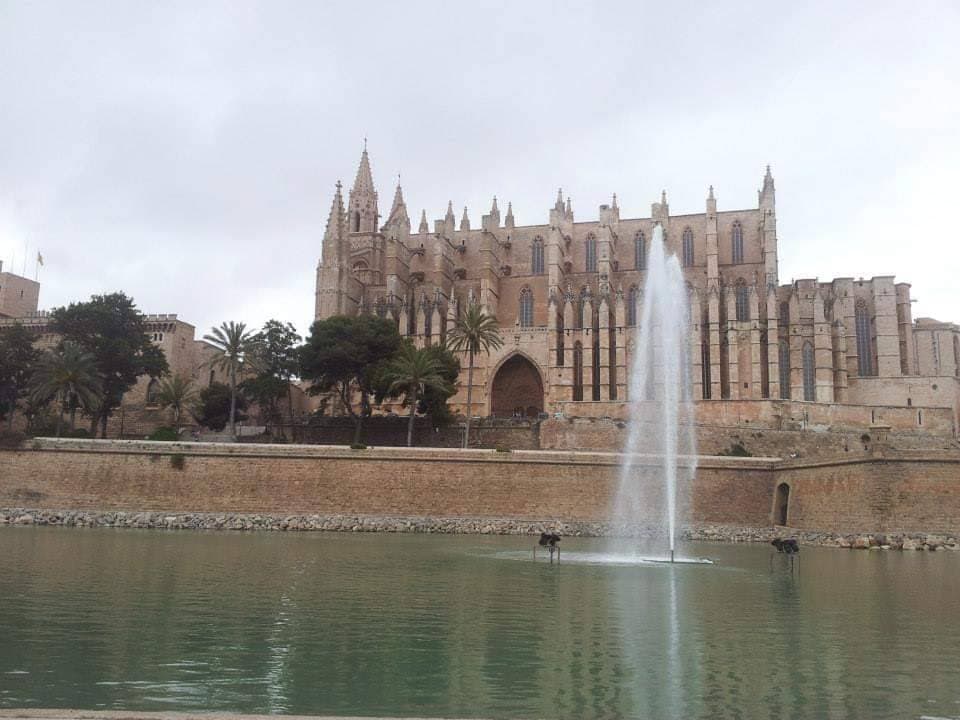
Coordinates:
113 331
347 355
17 360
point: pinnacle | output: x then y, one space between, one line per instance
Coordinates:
364 179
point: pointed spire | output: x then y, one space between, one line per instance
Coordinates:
768 180
569 206
336 217
508 221
663 197
615 202
398 211
364 179
424 227
494 208
465 221
710 196
449 216
559 205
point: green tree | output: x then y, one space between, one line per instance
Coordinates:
275 360
178 394
411 372
17 360
69 376
347 355
434 400
216 404
232 343
474 332
113 331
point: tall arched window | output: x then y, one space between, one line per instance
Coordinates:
526 308
632 296
640 251
736 243
578 371
582 319
591 253
784 370
560 344
536 261
956 355
153 392
687 247
784 314
864 345
809 372
356 221
743 301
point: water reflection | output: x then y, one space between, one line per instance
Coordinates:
468 627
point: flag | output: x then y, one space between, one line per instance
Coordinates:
39 259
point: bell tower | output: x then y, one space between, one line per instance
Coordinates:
362 215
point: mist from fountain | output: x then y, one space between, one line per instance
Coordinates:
660 455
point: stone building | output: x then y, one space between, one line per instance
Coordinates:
19 296
568 294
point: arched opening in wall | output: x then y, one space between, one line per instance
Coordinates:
864 334
517 389
526 308
742 301
536 260
560 348
736 243
781 504
809 372
640 251
613 364
355 221
591 253
153 392
687 248
784 352
595 386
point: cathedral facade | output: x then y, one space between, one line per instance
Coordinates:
568 295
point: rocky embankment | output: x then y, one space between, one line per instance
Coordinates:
459 526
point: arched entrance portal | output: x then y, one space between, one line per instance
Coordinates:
781 504
517 389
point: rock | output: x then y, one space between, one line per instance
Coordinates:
861 542
24 520
910 544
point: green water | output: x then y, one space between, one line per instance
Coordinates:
469 627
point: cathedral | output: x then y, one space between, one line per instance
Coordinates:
568 295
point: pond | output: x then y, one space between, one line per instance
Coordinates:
470 626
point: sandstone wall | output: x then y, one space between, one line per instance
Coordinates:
907 491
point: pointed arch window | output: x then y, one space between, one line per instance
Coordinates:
736 243
956 355
153 392
578 370
864 344
526 308
355 222
640 251
809 372
687 247
536 260
633 295
784 314
582 309
591 253
743 301
784 353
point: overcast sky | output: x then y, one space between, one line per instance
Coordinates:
186 153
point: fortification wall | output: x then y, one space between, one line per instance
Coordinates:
903 492
132 476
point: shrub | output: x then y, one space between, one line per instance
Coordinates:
77 433
736 449
178 461
358 446
11 438
502 449
164 434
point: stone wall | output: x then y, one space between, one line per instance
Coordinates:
882 491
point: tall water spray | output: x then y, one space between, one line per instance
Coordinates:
660 459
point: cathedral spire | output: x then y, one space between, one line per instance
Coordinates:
559 204
364 179
465 221
335 218
362 209
508 220
398 211
710 196
424 227
569 206
494 208
615 207
449 216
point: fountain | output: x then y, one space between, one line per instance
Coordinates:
660 458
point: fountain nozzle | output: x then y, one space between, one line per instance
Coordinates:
671 554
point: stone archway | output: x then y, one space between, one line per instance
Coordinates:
781 504
517 389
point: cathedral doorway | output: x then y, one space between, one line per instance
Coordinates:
517 389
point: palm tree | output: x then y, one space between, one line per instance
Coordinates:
176 393
475 332
413 371
68 375
232 342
